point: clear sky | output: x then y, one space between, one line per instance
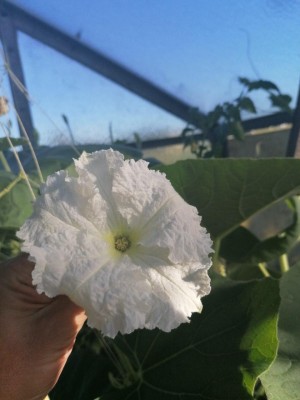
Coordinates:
194 49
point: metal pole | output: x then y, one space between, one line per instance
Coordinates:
294 134
8 35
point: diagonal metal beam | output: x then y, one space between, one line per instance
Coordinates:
96 61
8 36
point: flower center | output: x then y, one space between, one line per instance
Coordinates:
122 243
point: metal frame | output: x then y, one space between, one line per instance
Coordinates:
8 36
17 19
248 125
13 18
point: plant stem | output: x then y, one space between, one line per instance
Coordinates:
109 352
4 162
263 268
218 266
216 247
22 171
24 91
284 263
35 160
10 186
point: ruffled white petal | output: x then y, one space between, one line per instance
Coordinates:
157 282
156 204
174 296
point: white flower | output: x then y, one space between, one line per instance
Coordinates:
121 243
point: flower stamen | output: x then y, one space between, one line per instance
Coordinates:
122 243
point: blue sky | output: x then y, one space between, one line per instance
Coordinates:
195 49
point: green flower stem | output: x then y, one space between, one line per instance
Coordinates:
216 247
10 186
22 171
127 374
218 266
4 162
284 263
263 268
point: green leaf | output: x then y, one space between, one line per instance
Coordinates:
236 129
227 192
219 355
15 204
258 84
245 103
232 112
282 381
262 84
244 81
281 101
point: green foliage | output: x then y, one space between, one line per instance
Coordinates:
258 84
226 119
15 201
219 354
15 207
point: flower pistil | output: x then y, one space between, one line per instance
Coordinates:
122 243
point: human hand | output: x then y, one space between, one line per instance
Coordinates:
36 334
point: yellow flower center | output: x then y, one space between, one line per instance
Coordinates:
122 243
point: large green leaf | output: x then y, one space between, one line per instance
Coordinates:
236 129
219 355
15 201
227 192
282 380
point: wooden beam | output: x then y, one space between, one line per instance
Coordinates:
8 36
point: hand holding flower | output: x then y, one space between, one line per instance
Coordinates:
36 334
